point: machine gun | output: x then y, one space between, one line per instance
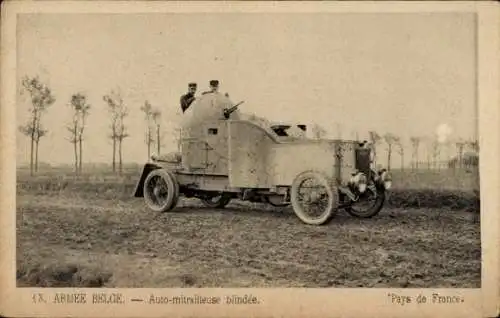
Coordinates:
228 111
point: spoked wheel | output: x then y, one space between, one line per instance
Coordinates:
217 201
314 198
161 190
369 204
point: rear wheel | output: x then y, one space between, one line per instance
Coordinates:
161 190
217 201
314 198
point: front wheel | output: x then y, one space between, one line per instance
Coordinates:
218 201
369 205
314 198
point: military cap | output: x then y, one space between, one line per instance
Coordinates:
214 83
192 84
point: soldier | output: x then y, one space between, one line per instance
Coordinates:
214 87
189 97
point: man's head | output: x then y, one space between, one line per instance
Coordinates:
214 85
192 87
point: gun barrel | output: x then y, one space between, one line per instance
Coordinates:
232 109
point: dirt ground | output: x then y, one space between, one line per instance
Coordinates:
66 240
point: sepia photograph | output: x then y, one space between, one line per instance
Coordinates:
168 150
240 149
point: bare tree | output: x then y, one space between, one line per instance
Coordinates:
445 150
118 112
80 112
41 98
460 145
471 161
474 145
147 109
122 134
390 140
73 130
112 106
415 143
40 132
428 145
374 140
156 120
401 152
36 133
83 120
435 152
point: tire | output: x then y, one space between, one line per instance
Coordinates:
219 203
171 187
330 190
370 212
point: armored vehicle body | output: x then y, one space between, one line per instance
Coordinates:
225 156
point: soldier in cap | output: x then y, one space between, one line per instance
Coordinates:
188 98
214 87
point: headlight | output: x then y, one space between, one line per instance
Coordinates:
359 181
386 179
154 156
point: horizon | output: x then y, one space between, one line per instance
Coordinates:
403 66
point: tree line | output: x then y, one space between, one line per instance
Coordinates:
434 147
395 145
41 98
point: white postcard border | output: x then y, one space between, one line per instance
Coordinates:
361 302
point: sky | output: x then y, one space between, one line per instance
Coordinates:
403 73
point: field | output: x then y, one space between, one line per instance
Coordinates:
92 233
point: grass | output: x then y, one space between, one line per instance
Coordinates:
71 241
91 232
448 179
53 274
455 190
423 178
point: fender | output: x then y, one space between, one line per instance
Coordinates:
139 188
378 183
